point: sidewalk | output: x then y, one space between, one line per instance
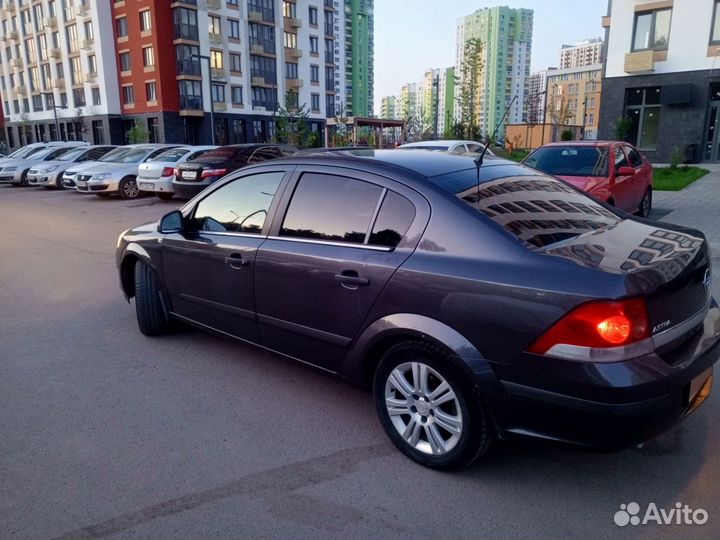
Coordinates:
696 206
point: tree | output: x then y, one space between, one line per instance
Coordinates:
138 133
623 125
560 111
292 127
79 122
340 137
469 83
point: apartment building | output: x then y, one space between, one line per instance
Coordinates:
152 64
506 37
586 53
662 75
354 57
536 96
573 98
389 108
57 74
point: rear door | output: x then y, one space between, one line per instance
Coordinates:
209 268
642 179
622 188
329 255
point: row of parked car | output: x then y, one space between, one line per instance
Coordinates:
163 169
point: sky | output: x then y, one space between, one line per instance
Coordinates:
412 36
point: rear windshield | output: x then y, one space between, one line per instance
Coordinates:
72 154
171 155
131 156
114 155
570 160
221 155
538 210
27 152
438 148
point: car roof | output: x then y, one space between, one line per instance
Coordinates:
585 143
421 162
438 143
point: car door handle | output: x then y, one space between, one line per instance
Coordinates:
352 279
236 261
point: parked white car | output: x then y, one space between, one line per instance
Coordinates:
119 176
50 173
447 146
112 156
156 174
15 171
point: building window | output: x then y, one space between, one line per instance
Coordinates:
150 91
314 73
98 132
95 91
313 16
89 32
235 64
642 108
79 97
92 63
234 28
290 40
214 25
76 76
289 9
236 95
128 95
190 95
148 56
125 62
652 30
218 93
72 39
315 102
121 27
216 59
37 102
153 129
259 130
715 35
145 20
314 45
237 131
291 70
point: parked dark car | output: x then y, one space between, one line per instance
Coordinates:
611 171
499 302
194 176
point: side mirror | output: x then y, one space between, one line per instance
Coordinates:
174 222
625 171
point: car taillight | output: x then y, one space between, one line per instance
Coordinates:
167 171
213 172
598 326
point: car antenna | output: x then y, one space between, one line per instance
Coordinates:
479 159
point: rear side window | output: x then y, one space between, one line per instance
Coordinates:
240 206
332 208
634 157
394 219
170 155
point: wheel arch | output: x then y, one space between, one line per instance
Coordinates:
364 356
133 253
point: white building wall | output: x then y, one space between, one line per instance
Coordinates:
689 35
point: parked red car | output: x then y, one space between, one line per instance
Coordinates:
611 171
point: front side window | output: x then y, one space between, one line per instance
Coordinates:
652 30
240 206
332 208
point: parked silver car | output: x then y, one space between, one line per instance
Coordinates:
68 177
473 147
15 171
119 176
156 174
50 173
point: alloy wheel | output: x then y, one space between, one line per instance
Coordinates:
423 408
130 189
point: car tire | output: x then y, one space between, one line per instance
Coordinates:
59 183
24 180
128 188
164 196
447 432
645 204
152 317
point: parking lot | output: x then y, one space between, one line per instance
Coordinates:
105 433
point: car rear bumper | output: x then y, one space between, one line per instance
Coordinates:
189 189
161 185
613 405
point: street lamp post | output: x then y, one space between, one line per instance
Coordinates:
54 108
212 105
582 128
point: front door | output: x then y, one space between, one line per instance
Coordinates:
209 267
711 142
326 262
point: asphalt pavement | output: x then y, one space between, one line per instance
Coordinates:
105 433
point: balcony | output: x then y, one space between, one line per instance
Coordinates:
21 90
213 4
88 44
191 105
51 22
291 22
328 5
186 31
17 62
189 67
293 84
12 34
217 73
215 38
258 81
84 8
219 105
59 84
292 52
254 16
90 76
